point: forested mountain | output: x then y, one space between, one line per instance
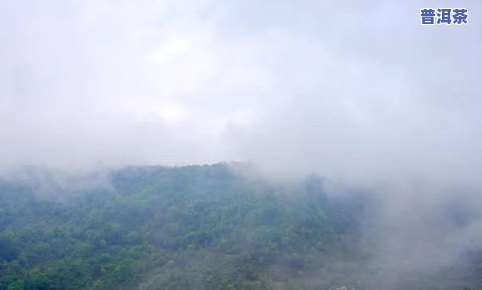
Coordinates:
195 227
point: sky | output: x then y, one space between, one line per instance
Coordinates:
358 91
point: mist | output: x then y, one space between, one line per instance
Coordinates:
357 92
373 95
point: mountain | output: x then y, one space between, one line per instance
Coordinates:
193 227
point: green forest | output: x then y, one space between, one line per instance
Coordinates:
193 227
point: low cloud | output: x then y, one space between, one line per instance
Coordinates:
360 93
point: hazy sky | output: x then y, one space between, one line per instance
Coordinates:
357 90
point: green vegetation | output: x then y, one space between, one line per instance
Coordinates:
197 227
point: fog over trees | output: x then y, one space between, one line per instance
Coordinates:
179 144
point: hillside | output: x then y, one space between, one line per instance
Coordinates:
196 227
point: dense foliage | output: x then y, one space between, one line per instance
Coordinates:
196 227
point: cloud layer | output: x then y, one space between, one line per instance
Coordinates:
348 90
